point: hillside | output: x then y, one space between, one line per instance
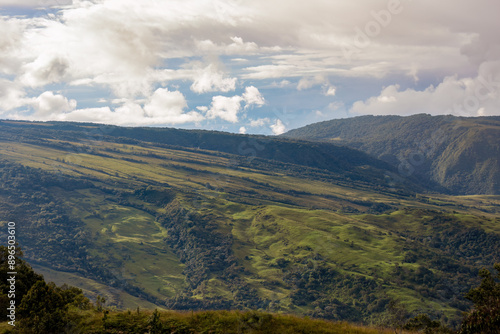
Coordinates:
461 154
191 220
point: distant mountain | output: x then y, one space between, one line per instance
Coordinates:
462 154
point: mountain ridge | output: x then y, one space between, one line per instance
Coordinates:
459 153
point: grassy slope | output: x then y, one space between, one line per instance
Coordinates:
270 215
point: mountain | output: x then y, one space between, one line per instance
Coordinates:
189 220
462 154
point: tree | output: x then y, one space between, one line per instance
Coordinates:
154 323
25 278
485 317
397 315
42 309
100 301
424 323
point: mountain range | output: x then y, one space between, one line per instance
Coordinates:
461 154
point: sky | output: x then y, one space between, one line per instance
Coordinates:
257 67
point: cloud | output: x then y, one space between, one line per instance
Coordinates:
226 108
123 50
11 96
259 122
243 130
252 96
10 43
330 91
34 3
165 103
237 47
168 107
210 79
278 127
477 96
309 82
163 107
44 70
49 104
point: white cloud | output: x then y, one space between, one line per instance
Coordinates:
44 70
252 96
330 91
478 96
309 82
163 107
10 43
164 102
237 47
11 96
226 108
278 127
259 122
169 107
210 79
243 130
48 104
34 3
281 84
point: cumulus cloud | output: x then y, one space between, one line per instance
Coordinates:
278 127
163 107
49 103
252 96
165 103
478 96
210 79
243 130
226 108
168 107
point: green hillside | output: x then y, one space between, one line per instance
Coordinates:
459 153
192 220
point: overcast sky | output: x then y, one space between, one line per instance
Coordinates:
260 66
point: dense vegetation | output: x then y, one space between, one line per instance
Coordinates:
145 221
461 154
46 308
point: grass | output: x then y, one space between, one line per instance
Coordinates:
215 322
129 241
